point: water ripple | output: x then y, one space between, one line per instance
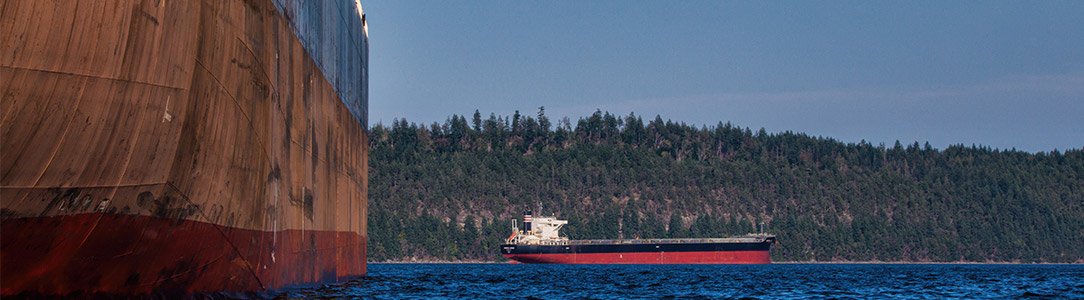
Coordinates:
803 281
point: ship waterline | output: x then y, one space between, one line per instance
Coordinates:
181 146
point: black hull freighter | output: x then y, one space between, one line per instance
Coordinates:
539 242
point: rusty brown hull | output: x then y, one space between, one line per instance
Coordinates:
173 146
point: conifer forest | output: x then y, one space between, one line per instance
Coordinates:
448 191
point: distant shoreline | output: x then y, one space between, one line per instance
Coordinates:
920 263
774 263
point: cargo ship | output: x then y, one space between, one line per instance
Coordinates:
539 241
152 147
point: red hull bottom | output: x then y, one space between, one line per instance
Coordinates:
133 255
709 257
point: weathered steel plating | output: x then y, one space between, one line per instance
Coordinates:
181 146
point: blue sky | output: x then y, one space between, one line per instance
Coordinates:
996 73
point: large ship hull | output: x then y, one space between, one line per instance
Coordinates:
181 146
642 253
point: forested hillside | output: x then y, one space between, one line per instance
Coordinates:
448 191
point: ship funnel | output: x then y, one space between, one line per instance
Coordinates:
527 221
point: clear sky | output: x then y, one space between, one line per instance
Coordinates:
995 73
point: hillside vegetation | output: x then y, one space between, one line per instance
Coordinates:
448 191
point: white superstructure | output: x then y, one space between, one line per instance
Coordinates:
538 231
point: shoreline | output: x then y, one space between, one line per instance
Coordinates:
921 263
444 262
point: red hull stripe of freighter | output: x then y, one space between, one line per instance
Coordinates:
640 252
699 257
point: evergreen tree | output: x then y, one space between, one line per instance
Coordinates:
477 121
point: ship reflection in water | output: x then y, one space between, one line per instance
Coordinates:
969 281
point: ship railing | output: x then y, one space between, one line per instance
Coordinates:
550 242
750 239
754 238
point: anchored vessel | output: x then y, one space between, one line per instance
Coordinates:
539 242
181 146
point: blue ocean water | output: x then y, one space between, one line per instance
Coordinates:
396 281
